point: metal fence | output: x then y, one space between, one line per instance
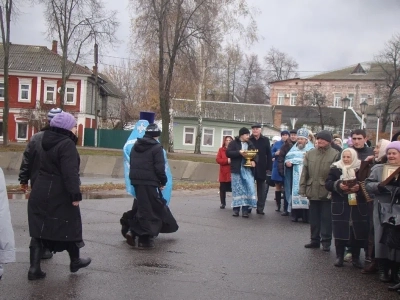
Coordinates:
106 138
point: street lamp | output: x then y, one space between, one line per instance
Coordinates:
378 115
345 105
363 107
393 117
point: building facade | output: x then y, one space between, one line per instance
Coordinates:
34 86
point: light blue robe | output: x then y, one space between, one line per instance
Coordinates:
138 132
296 157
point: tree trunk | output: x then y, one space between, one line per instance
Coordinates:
321 121
199 133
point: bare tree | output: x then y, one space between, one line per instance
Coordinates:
280 65
251 75
172 25
6 10
77 24
389 62
314 98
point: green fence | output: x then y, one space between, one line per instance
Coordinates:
106 138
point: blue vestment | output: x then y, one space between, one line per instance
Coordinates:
138 132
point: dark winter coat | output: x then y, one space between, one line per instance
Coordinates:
147 163
282 154
51 215
233 152
224 166
363 153
30 164
264 162
343 215
275 172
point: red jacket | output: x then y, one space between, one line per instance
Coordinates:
224 166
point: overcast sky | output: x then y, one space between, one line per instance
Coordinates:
321 35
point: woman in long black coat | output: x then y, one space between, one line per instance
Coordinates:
349 222
53 208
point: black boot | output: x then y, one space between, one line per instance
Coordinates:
339 256
394 272
355 261
124 224
384 270
47 254
278 200
36 250
145 242
77 262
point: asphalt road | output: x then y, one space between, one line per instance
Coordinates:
212 256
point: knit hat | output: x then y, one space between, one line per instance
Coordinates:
53 112
393 145
293 131
325 135
153 130
285 132
243 130
303 132
63 120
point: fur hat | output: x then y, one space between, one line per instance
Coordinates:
53 112
325 135
243 130
63 120
293 131
153 130
303 132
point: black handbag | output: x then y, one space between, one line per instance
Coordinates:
389 213
169 223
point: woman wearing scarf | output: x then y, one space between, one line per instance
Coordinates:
388 258
379 157
349 207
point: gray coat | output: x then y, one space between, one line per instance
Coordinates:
7 242
371 185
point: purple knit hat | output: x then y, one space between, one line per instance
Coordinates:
63 120
393 145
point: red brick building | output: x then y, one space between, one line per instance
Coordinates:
34 83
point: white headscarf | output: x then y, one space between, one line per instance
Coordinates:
382 149
348 171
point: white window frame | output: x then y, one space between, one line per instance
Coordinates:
281 99
53 84
223 135
337 100
293 99
75 87
2 82
377 100
184 135
363 97
351 103
203 135
24 81
16 131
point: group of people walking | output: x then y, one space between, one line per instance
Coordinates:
337 191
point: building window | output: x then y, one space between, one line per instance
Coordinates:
351 97
281 99
1 91
24 92
377 101
208 137
50 89
22 131
293 99
337 100
226 132
188 135
70 94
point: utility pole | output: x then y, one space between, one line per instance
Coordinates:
96 94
